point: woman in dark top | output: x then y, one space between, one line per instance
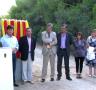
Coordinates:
79 53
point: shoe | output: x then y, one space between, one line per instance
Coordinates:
52 79
68 78
43 80
58 78
30 82
16 85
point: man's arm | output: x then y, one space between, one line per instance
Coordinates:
54 41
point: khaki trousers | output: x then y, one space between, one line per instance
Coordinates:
46 58
27 69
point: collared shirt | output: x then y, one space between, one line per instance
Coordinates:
63 40
29 43
10 42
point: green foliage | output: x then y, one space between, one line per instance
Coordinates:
80 15
94 11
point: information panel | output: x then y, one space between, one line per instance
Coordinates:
6 72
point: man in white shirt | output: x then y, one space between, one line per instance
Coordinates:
27 46
10 41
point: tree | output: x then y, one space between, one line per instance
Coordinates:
80 15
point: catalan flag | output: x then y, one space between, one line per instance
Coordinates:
19 28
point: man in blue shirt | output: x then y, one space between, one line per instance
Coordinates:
64 40
10 41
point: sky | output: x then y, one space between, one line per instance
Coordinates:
5 6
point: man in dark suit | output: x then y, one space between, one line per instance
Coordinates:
26 47
64 40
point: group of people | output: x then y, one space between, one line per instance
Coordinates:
26 45
53 44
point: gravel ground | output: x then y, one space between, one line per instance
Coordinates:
86 83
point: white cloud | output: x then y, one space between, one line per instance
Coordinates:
5 6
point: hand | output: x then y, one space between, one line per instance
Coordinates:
48 45
14 50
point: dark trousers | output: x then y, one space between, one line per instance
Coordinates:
79 64
63 53
14 66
